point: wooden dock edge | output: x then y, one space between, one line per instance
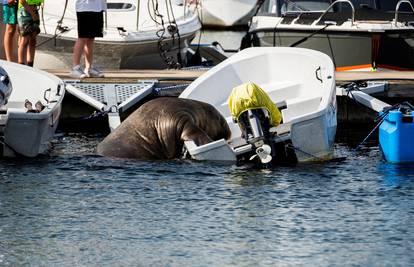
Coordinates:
406 77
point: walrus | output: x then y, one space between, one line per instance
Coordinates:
158 129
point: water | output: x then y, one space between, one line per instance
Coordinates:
72 208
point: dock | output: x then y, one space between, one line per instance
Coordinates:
127 76
399 86
395 77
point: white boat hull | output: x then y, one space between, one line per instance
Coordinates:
299 80
131 39
227 13
110 55
380 36
29 134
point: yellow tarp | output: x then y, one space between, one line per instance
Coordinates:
250 96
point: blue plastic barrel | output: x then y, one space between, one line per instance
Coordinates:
396 137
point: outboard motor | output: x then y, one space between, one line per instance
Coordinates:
255 114
255 127
5 87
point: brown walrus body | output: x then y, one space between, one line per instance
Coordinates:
158 129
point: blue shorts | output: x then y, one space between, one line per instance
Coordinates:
27 26
10 14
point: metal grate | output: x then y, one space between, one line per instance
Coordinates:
110 94
111 97
93 90
125 91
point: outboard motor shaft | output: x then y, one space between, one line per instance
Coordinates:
5 87
255 127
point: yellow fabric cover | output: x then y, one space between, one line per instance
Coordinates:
251 96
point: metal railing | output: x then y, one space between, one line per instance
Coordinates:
397 9
336 2
185 7
138 8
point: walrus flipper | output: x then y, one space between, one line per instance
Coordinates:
193 133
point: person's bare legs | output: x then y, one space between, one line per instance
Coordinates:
90 69
22 51
88 50
77 51
31 49
9 41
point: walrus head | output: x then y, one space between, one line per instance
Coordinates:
204 124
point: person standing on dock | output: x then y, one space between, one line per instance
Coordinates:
10 20
29 28
90 25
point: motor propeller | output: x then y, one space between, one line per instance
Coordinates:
264 153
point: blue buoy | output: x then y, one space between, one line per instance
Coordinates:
396 136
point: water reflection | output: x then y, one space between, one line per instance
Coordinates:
397 175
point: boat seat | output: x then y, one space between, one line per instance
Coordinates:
300 106
303 100
283 90
307 18
289 17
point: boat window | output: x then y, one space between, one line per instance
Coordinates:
372 4
304 5
120 6
281 7
390 5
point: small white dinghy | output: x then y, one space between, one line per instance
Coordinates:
301 82
27 132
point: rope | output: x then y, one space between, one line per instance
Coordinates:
383 115
180 87
59 27
247 39
289 145
172 28
97 114
354 86
304 152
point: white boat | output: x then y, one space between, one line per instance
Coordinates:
137 34
28 132
356 34
299 81
227 13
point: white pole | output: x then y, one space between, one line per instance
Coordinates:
138 8
106 16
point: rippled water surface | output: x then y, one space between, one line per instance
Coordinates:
76 209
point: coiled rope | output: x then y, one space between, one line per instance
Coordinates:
59 30
172 28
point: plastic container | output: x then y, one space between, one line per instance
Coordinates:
396 137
